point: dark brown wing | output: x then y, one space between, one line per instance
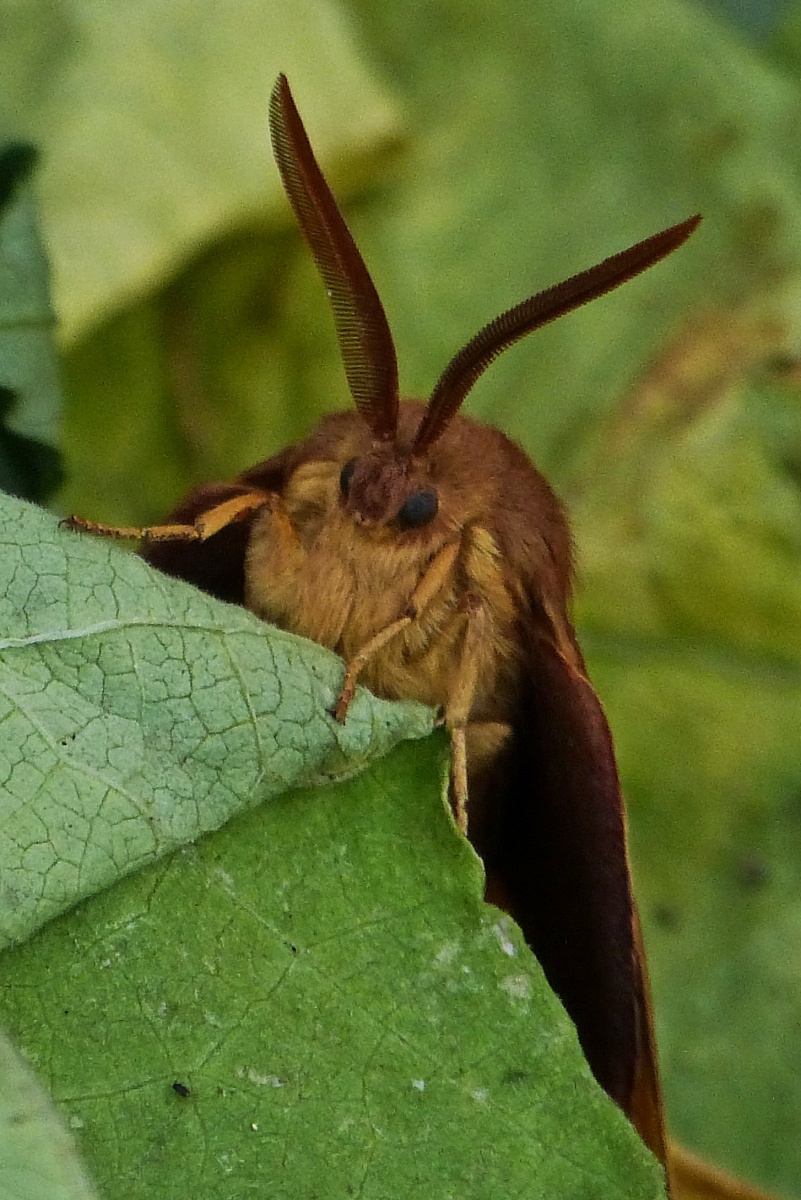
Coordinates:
556 859
217 566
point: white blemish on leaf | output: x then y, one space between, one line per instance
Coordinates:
225 879
504 941
446 954
517 986
259 1079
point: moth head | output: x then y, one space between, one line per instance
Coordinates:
383 486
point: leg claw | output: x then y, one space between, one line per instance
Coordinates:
340 709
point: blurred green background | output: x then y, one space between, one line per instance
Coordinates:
483 149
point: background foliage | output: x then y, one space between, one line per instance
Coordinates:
487 150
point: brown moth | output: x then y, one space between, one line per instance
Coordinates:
426 549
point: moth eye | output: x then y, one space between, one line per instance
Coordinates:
345 476
419 509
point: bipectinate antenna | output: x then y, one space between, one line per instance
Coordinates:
473 359
368 351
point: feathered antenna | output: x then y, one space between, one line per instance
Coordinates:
368 351
473 359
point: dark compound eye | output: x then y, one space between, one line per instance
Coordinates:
345 476
419 509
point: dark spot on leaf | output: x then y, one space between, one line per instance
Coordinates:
514 1077
181 1089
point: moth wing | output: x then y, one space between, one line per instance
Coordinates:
557 860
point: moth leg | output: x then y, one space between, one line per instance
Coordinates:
218 517
436 576
360 660
283 532
460 702
85 525
202 528
459 778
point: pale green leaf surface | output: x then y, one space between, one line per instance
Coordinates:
136 713
347 1014
38 1160
152 120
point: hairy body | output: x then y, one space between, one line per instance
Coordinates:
311 568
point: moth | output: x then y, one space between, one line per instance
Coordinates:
426 549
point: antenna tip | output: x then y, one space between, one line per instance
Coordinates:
685 228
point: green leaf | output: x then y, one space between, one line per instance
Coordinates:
37 1159
342 1014
320 977
136 713
152 121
